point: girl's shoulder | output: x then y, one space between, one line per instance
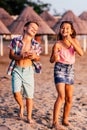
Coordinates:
58 43
75 39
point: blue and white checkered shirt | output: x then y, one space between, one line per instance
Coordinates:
16 45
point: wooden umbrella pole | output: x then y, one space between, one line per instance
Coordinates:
84 44
46 44
1 45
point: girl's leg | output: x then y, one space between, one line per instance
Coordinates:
68 103
58 103
19 100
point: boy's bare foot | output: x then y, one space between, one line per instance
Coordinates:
21 112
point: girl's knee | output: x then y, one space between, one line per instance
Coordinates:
68 99
62 98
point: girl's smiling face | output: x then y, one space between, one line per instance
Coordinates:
66 30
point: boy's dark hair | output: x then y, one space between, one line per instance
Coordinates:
29 22
73 35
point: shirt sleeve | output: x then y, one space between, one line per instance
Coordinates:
37 47
12 45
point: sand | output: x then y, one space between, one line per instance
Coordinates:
44 97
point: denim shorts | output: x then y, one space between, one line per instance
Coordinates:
23 80
63 73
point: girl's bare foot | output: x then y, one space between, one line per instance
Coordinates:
66 123
30 121
58 127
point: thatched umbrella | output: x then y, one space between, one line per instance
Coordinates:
48 18
3 30
83 16
28 14
79 25
5 17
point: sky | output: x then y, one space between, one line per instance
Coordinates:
61 6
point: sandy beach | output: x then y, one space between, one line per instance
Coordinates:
44 97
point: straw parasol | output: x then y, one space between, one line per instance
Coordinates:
79 25
28 14
83 16
3 30
48 18
5 17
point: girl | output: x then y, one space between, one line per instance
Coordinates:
63 54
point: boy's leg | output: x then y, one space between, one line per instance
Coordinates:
16 88
29 105
18 98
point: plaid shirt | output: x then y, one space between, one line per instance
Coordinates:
16 45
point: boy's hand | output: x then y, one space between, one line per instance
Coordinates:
27 55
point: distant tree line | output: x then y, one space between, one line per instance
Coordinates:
14 7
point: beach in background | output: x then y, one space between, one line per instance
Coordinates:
44 97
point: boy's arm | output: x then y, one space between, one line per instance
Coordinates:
35 57
12 55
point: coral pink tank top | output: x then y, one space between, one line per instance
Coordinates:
67 56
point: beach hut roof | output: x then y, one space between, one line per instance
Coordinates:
3 29
83 16
79 25
28 14
5 17
48 18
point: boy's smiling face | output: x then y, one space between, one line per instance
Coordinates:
32 29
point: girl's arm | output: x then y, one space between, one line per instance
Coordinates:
54 55
76 45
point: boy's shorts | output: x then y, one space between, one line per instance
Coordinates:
23 77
